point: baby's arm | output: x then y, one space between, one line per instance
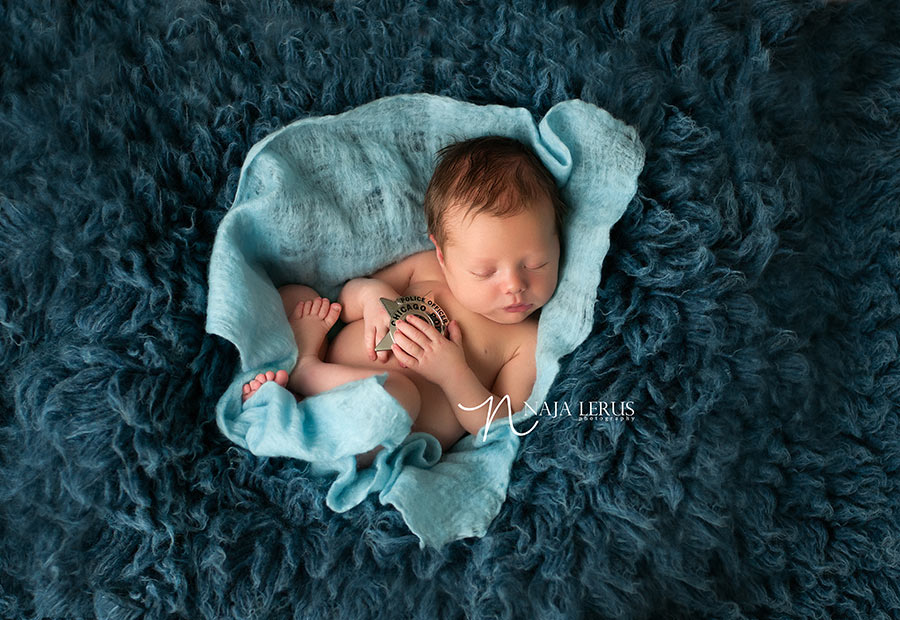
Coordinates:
518 375
420 347
389 282
360 298
516 378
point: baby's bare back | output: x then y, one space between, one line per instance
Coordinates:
487 345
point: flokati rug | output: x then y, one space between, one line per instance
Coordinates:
748 310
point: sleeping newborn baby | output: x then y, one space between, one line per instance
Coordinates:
494 216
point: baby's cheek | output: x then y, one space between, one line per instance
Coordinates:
472 302
552 284
548 290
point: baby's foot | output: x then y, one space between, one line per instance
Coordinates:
310 321
280 377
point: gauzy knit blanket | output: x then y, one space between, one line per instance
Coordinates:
327 199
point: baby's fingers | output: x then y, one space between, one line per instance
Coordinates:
406 360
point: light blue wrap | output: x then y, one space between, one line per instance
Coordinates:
327 199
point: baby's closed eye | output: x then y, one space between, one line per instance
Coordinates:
488 274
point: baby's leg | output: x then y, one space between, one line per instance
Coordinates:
291 295
311 318
310 321
309 378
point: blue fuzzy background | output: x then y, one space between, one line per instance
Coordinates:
749 308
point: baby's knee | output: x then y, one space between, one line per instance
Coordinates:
405 391
293 294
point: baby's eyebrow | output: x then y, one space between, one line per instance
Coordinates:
489 262
478 259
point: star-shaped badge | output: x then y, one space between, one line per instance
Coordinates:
399 308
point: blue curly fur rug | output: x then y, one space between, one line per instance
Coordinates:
749 309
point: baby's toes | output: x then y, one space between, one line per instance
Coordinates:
270 375
324 308
316 307
281 378
300 310
247 392
254 384
261 378
297 312
334 311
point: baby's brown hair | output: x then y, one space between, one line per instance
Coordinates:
494 175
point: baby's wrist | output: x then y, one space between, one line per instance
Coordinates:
454 375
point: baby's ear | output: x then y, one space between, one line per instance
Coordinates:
440 255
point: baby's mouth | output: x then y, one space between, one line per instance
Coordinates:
518 307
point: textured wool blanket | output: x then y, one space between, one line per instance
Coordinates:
328 199
748 307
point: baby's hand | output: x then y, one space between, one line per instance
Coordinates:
419 346
376 321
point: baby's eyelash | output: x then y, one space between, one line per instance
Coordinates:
488 275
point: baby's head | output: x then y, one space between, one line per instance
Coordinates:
495 217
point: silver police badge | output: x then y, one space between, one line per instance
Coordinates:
399 308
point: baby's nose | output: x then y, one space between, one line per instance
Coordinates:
515 284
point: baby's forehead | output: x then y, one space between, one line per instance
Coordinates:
492 239
460 213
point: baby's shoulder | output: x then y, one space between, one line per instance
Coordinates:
425 266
